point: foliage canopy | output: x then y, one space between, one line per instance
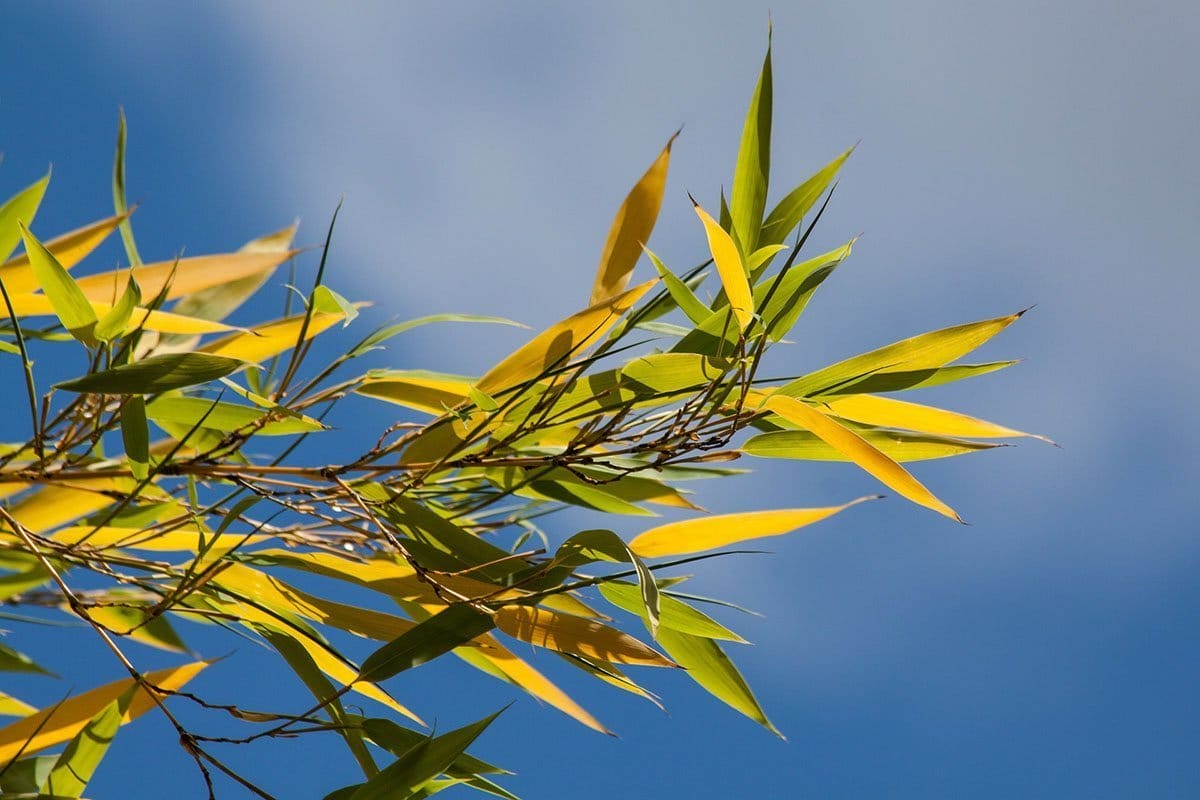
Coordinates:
161 486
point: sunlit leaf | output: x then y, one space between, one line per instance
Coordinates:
69 249
707 664
58 724
888 412
896 445
674 614
264 341
569 634
69 302
120 204
683 296
926 351
891 381
784 218
20 208
729 267
631 229
78 762
228 417
709 533
12 707
431 392
858 450
116 320
555 346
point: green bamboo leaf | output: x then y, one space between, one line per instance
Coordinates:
12 661
898 446
784 218
482 400
78 762
398 740
749 196
674 614
925 351
388 331
917 379
601 545
120 204
453 626
67 299
228 417
707 664
114 323
328 301
20 208
24 778
459 548
136 435
307 670
155 374
425 761
684 297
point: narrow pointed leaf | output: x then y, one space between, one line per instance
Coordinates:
888 412
69 302
729 266
20 208
683 296
69 249
631 229
120 204
116 320
78 762
155 374
603 545
453 626
570 634
784 218
136 435
709 533
749 195
858 450
896 445
674 614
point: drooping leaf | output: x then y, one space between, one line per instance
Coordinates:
265 341
709 533
13 661
120 204
431 392
155 374
708 665
69 302
858 450
136 435
683 296
674 614
631 229
891 381
603 545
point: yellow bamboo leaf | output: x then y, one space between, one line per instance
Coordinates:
887 412
729 266
631 229
57 724
265 341
524 675
51 506
709 533
569 634
858 450
35 305
12 707
555 346
69 249
424 391
332 665
186 275
186 539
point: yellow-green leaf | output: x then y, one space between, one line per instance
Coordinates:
12 707
896 445
116 320
570 634
69 248
887 412
858 450
554 347
69 302
135 435
683 296
631 229
729 266
784 218
925 351
709 533
59 723
20 208
265 341
155 374
186 276
78 762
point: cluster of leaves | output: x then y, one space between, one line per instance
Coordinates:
136 503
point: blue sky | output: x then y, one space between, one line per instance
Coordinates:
1011 154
